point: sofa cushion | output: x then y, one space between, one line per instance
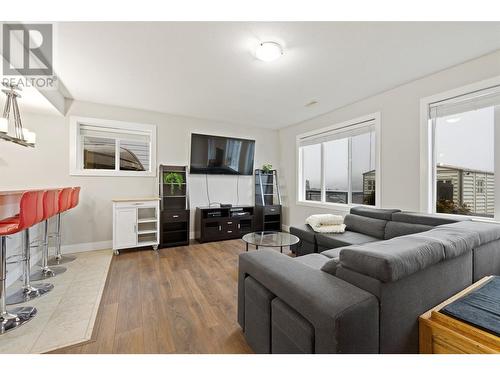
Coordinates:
290 332
304 232
366 225
393 259
333 253
375 213
331 266
257 315
455 241
424 219
334 240
315 261
399 257
333 260
487 232
397 229
486 260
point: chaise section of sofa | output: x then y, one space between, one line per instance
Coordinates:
363 225
333 315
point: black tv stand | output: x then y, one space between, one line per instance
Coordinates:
223 223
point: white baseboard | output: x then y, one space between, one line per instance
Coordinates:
88 246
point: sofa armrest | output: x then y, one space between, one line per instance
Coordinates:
345 318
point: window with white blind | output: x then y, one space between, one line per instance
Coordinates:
112 148
464 138
338 164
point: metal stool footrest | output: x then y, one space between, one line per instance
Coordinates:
20 257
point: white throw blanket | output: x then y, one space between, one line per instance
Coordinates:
326 223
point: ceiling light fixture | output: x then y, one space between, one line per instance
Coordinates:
268 51
21 136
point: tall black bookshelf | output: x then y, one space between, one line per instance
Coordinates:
174 206
267 201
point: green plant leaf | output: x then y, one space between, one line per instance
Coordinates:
173 179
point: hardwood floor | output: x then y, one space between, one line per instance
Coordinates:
179 300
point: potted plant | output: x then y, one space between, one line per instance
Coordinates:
173 179
267 168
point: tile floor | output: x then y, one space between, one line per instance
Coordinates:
67 314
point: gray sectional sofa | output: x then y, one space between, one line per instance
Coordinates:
361 291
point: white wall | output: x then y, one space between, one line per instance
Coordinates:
89 226
400 143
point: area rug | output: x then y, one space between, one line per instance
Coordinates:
67 314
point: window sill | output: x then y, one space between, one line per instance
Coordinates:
473 218
111 173
331 206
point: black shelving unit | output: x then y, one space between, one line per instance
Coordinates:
174 207
223 223
267 201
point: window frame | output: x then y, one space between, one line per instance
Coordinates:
427 157
373 117
76 151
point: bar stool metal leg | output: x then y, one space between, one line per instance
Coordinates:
16 317
45 271
28 291
59 258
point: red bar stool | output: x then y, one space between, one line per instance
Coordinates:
50 209
28 292
10 319
68 199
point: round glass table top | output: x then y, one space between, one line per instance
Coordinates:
271 239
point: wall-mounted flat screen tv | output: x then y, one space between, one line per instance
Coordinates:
221 155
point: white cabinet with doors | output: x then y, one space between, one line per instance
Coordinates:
136 223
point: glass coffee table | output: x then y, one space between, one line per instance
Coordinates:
270 239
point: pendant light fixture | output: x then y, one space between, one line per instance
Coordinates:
21 136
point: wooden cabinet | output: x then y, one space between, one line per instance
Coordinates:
267 201
443 334
125 228
268 218
217 224
135 223
174 228
175 221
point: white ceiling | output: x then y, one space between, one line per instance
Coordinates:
207 69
